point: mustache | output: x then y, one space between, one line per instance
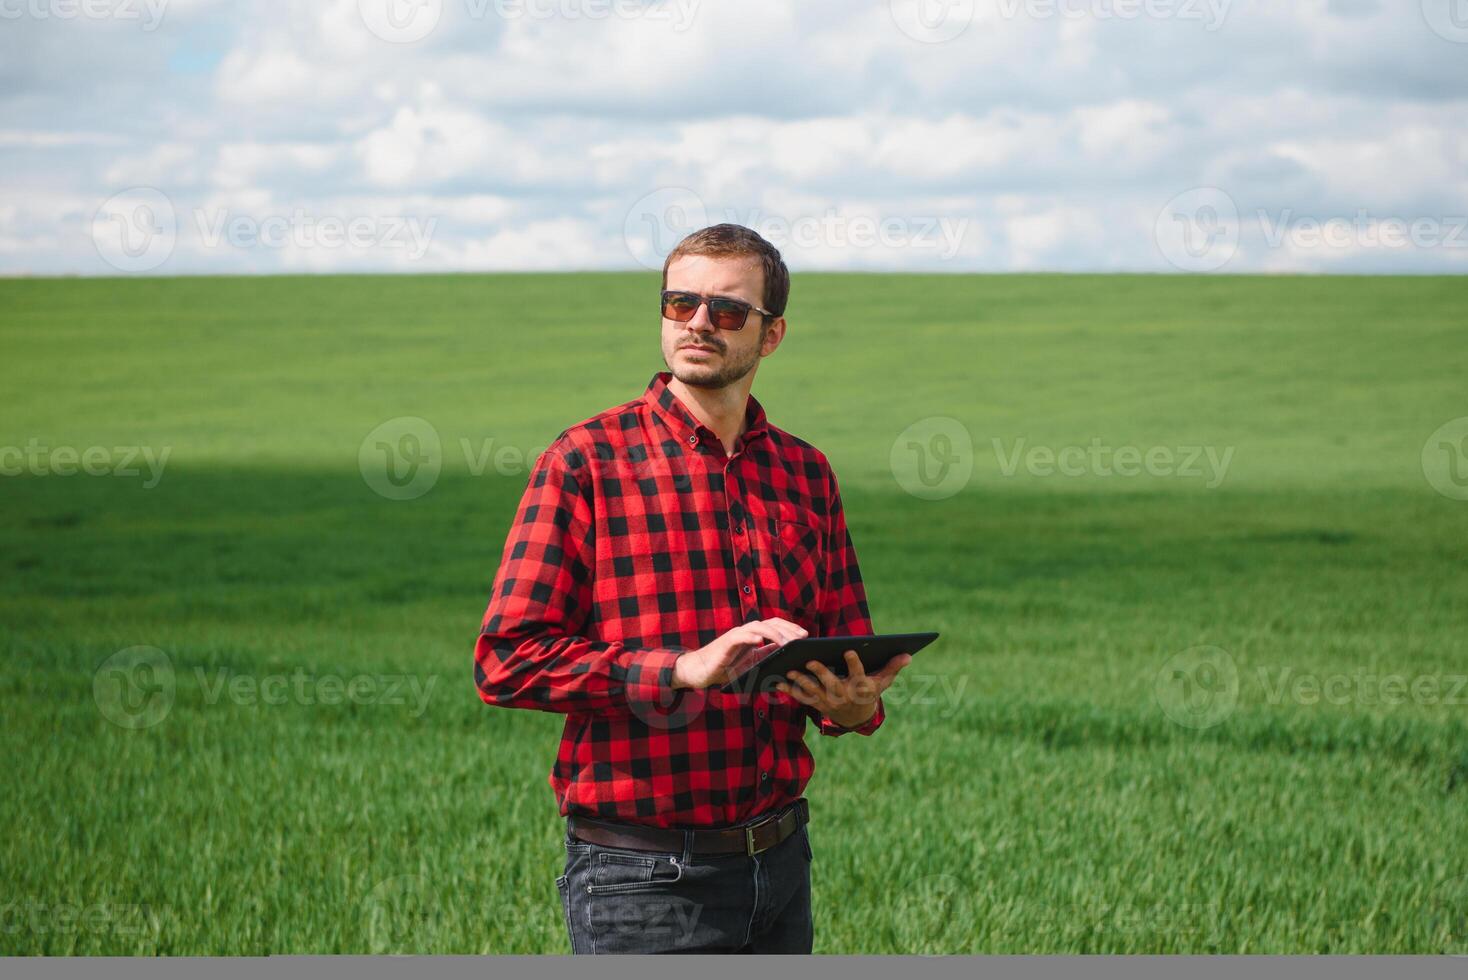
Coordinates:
695 342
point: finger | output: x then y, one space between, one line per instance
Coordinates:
806 683
753 634
795 693
753 656
898 662
836 690
854 668
791 631
822 672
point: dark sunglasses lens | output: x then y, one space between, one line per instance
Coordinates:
727 314
679 306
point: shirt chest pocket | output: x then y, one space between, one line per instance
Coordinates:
792 567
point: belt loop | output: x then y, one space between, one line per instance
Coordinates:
687 846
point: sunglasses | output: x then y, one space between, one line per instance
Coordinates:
725 314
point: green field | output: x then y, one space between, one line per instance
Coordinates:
1031 790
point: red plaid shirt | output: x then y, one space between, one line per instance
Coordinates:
638 538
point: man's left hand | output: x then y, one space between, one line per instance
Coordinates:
848 701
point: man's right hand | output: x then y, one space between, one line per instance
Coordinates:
725 658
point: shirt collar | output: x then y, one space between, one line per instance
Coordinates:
667 407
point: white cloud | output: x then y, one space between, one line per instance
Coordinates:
1029 141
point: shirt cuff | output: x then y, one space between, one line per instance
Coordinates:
650 676
829 727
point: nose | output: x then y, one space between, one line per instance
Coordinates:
700 322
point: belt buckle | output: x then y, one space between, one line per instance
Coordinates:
749 849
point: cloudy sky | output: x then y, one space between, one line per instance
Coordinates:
188 136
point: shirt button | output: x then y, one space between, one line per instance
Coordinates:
764 777
693 439
738 528
746 590
762 713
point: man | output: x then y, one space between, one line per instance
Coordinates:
660 547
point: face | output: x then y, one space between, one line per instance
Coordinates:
698 354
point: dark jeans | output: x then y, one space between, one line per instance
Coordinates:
625 901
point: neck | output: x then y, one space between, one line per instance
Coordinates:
721 409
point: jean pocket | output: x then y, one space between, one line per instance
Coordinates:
616 873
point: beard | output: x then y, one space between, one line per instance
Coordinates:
726 370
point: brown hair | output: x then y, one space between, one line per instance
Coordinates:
728 240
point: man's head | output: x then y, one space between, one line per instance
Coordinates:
724 262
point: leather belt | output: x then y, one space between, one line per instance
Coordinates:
750 838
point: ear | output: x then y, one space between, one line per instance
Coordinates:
773 335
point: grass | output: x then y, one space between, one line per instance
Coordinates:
1030 792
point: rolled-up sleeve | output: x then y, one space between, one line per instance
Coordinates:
531 652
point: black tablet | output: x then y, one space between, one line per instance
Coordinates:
874 651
